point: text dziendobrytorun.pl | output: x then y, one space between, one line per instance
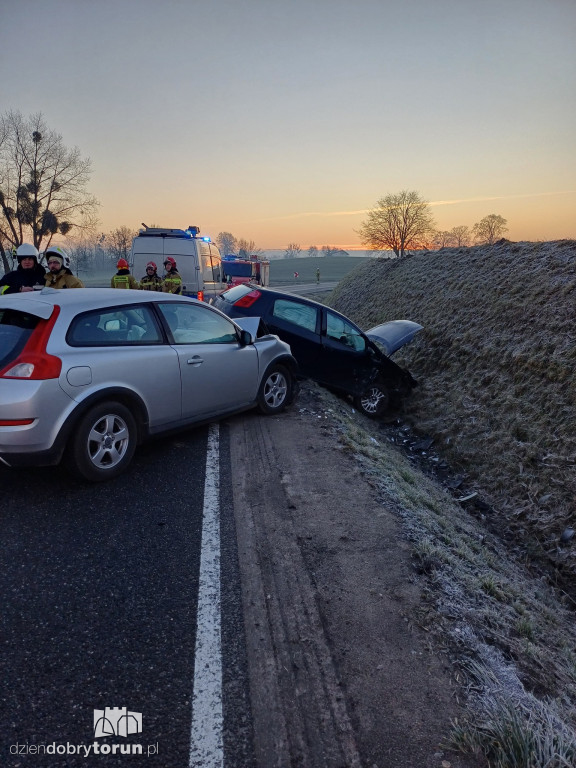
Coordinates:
83 750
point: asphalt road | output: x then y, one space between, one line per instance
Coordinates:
303 289
100 589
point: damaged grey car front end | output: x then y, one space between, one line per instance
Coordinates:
387 383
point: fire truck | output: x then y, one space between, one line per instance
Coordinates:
236 270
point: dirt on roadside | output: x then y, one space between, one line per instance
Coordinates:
341 676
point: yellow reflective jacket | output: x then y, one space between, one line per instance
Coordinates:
123 279
172 283
63 279
153 283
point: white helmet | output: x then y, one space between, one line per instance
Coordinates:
26 249
60 252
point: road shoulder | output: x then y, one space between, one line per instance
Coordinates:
340 674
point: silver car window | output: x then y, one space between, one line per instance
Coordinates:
15 330
124 326
198 324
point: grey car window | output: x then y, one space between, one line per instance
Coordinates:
115 327
300 314
197 324
340 330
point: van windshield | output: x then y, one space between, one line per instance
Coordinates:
15 330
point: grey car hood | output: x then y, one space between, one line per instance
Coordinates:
393 335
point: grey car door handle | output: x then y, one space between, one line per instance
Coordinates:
196 360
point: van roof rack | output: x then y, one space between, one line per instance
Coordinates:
160 232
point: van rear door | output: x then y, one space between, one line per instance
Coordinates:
185 252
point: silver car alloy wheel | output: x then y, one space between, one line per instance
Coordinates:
372 399
108 441
275 389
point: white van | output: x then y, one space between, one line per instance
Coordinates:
197 258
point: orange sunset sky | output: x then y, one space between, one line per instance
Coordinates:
284 121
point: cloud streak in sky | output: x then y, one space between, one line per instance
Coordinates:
328 214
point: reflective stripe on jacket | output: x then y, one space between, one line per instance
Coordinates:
172 283
124 281
153 283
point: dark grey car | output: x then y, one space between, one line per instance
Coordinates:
328 346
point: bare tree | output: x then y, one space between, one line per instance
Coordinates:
227 243
490 229
120 242
42 183
248 248
442 239
460 236
313 250
292 251
399 223
328 250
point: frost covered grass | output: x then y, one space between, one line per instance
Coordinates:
509 635
496 365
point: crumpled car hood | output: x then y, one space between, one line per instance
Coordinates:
249 324
393 335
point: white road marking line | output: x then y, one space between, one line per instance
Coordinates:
206 740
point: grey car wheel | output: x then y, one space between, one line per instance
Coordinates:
373 402
103 443
275 390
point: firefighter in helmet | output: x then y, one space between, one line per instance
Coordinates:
123 278
172 280
151 280
59 274
28 275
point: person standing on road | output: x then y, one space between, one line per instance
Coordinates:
123 278
59 274
317 275
172 281
29 274
151 280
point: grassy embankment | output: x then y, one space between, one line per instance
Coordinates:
496 366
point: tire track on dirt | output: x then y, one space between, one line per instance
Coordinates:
298 705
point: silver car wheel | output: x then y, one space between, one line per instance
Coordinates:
275 389
373 402
108 441
103 442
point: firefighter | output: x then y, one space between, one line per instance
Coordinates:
59 274
123 278
27 275
172 281
151 280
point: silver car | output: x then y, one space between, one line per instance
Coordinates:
88 374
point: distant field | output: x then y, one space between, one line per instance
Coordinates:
332 269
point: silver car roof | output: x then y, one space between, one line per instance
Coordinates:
40 303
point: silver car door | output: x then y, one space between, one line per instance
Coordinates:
123 347
218 373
